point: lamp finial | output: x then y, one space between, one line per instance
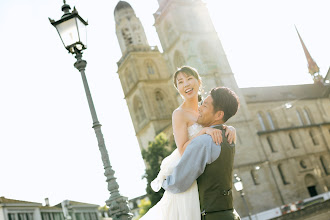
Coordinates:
66 9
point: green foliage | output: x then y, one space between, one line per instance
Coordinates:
155 153
104 208
144 207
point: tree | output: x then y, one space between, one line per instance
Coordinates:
144 207
104 211
157 150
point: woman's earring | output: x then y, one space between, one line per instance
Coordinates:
199 95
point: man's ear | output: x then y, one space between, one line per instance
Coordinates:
219 115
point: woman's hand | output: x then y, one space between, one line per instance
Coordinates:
216 134
230 133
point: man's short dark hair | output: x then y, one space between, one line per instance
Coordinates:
226 100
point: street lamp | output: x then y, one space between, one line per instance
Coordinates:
238 184
72 30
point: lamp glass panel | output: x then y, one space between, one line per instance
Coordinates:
82 28
68 32
238 186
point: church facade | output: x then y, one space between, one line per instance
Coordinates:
283 152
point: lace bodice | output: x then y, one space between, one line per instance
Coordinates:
194 129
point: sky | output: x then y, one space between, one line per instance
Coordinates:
48 148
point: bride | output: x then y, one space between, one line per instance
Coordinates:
183 206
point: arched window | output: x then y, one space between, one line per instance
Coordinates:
150 67
129 77
307 116
160 103
170 33
281 171
292 141
301 121
314 138
207 51
270 143
207 57
270 120
255 176
325 165
127 36
303 164
139 110
139 39
261 121
178 60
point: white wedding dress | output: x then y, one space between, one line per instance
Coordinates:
179 206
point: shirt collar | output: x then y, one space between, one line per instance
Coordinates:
216 126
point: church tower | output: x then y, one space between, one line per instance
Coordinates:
129 29
145 78
188 37
276 145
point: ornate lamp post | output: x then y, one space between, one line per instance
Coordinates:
239 188
72 30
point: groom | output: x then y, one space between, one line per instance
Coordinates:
210 164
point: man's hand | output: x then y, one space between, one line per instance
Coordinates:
230 133
216 134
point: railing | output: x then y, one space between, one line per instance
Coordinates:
136 48
291 207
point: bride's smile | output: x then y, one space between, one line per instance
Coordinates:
187 85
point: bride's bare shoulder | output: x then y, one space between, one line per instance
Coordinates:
179 110
178 114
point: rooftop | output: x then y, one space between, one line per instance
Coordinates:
4 200
285 93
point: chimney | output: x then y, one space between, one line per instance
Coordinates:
47 201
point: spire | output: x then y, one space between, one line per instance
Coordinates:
313 69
